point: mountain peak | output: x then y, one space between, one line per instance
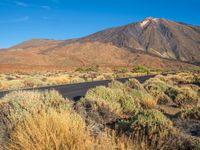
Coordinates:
149 20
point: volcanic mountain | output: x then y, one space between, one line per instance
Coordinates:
153 42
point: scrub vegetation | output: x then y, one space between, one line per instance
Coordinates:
20 80
162 113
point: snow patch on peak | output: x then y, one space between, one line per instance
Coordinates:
144 23
149 20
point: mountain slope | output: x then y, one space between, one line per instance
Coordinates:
155 43
161 37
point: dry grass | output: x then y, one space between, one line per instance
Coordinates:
150 128
58 131
115 99
20 80
45 120
192 113
17 105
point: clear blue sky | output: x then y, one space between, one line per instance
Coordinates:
22 20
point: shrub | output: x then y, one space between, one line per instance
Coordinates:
155 86
196 80
140 69
17 105
61 130
49 130
4 86
134 84
186 97
115 99
145 100
32 82
77 80
192 113
15 84
58 80
150 127
163 99
122 71
172 92
116 85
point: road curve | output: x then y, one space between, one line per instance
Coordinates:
78 90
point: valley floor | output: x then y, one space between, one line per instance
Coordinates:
162 113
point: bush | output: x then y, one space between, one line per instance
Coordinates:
32 82
163 99
148 126
122 71
115 99
196 80
155 86
186 97
58 80
77 80
50 130
192 113
15 84
134 84
116 85
172 92
61 130
17 105
145 100
4 86
140 69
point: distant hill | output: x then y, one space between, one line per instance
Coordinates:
153 42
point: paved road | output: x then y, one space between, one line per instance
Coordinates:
76 91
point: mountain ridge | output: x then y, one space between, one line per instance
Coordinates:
154 42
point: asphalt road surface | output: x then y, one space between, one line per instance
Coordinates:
78 90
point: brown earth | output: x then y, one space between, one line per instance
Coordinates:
154 43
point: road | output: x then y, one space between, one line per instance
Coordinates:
78 90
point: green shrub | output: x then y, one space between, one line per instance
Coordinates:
122 71
18 104
145 99
134 84
15 84
186 97
148 126
140 69
116 85
32 82
172 92
115 99
192 113
196 80
155 86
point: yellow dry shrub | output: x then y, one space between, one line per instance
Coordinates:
4 86
58 80
60 131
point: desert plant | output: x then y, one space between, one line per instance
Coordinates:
116 99
61 130
21 103
116 85
172 92
149 127
140 69
186 97
192 113
155 86
134 84
145 99
32 82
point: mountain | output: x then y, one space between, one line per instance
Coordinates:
157 36
153 42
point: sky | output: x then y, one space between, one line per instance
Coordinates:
22 20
